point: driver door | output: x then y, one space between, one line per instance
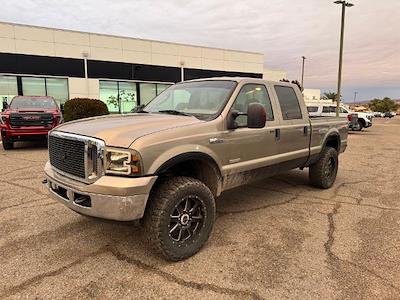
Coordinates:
252 150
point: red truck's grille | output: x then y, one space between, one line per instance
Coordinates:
67 155
30 119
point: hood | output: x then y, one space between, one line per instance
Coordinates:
123 130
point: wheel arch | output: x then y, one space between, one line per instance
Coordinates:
332 140
197 165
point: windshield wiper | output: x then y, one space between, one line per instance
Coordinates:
173 112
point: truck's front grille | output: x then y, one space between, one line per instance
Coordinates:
76 156
30 119
67 155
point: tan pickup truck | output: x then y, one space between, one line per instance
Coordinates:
168 162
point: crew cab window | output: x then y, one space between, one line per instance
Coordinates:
252 93
289 103
312 109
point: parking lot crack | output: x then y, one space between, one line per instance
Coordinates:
334 259
23 203
39 278
34 190
331 233
242 294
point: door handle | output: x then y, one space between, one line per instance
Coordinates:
305 130
277 134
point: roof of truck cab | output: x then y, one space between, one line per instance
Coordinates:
239 79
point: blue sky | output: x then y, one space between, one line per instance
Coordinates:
283 30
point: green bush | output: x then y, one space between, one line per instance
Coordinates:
79 108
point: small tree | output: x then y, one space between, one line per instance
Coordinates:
122 96
79 108
296 82
329 96
383 105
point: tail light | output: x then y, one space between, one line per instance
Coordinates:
349 117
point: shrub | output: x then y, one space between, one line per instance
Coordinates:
79 108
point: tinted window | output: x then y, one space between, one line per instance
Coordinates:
289 103
252 93
329 109
312 108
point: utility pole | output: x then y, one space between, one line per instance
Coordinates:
302 72
339 84
355 96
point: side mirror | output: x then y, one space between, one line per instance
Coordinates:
62 107
5 105
232 120
256 115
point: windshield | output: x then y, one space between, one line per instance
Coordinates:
33 103
202 99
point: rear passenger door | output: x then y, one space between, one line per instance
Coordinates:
294 132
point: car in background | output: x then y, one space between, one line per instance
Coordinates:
378 114
320 109
388 114
28 118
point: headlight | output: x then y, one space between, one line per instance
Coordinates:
3 119
122 162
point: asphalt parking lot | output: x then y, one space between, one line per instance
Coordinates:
277 238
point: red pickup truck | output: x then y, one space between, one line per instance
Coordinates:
28 118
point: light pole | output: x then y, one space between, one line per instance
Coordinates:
339 85
355 96
302 73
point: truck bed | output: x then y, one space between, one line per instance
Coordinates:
320 128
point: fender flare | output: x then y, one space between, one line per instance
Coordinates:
186 157
335 135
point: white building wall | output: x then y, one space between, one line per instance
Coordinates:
312 95
33 40
274 75
82 88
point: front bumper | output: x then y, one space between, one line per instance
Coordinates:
23 133
110 197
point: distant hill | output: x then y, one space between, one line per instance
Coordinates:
365 102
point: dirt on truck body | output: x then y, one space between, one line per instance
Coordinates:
169 161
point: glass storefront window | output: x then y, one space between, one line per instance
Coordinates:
42 86
128 96
109 95
58 89
8 89
162 87
148 92
33 86
122 96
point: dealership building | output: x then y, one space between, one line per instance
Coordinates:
121 71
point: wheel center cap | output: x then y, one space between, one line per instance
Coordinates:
185 219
